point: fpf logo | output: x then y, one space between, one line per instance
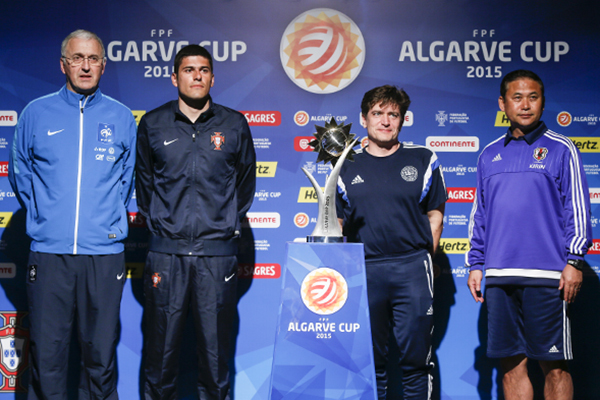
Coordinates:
322 51
301 118
14 345
301 220
324 291
564 119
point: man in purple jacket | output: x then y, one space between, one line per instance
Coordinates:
529 229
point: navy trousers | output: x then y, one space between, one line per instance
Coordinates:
400 292
172 284
62 289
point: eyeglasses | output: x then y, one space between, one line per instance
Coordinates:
78 60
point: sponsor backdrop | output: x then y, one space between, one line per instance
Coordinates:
288 65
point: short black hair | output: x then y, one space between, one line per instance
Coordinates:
190 51
519 74
385 95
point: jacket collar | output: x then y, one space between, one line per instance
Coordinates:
74 99
205 116
530 137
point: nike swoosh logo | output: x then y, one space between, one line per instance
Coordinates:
55 132
169 142
120 276
228 278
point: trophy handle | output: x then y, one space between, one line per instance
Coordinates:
327 229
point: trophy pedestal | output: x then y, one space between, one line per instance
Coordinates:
323 346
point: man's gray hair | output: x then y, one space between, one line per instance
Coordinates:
81 34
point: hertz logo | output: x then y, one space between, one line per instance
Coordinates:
134 270
322 51
324 291
308 195
501 119
587 144
266 169
5 218
138 114
454 246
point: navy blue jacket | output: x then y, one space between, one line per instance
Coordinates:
194 181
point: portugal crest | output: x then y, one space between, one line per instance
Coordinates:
14 357
218 140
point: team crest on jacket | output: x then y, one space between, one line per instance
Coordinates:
218 140
409 173
106 132
14 345
540 153
156 279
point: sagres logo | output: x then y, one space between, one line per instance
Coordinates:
322 51
324 291
14 346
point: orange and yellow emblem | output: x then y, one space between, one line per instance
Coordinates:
322 51
324 291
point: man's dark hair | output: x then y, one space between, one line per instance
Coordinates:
190 51
385 95
519 74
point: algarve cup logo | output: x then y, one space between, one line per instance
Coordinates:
322 51
324 291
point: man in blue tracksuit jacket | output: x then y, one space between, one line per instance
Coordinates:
71 167
529 230
195 182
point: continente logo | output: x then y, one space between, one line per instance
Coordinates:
322 51
324 291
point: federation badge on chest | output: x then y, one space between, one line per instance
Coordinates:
106 132
218 140
540 153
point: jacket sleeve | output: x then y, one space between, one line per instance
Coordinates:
246 171
129 163
20 162
144 179
576 210
475 257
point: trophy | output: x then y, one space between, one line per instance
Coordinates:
334 144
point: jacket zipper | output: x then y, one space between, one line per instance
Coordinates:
79 173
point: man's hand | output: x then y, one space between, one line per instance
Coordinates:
474 284
570 283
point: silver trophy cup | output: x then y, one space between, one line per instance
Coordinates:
334 144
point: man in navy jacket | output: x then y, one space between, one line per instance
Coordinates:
195 183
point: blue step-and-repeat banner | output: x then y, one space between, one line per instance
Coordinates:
291 64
